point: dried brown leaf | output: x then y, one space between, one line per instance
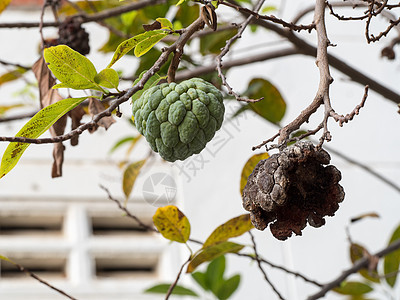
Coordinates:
154 26
44 77
95 107
49 96
58 149
76 116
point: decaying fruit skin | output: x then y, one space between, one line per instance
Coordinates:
178 120
293 188
72 34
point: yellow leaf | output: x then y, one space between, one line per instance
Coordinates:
11 75
130 175
249 167
5 108
234 227
172 223
4 4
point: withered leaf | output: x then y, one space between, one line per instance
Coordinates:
154 26
76 116
95 107
58 149
44 78
49 96
209 16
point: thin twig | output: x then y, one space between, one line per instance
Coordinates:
121 97
132 216
225 50
344 119
296 274
364 167
173 285
33 275
185 74
358 265
271 18
178 52
266 142
6 63
308 49
109 13
262 269
17 117
128 213
100 22
41 24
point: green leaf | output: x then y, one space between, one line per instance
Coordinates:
12 75
232 228
353 288
272 107
128 17
146 44
172 223
215 273
154 80
34 128
186 15
178 290
228 287
268 9
358 252
392 260
180 2
72 68
200 278
60 86
108 78
165 23
212 252
249 167
123 141
212 43
131 43
130 175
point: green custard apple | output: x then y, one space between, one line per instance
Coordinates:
178 120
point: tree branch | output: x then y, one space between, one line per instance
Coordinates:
109 13
173 285
33 275
261 268
271 18
124 95
185 74
358 265
225 50
307 49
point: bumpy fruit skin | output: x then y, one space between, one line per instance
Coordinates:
178 120
73 35
293 188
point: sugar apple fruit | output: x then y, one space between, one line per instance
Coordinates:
178 120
